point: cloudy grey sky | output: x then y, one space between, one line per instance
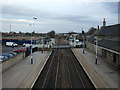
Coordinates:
61 16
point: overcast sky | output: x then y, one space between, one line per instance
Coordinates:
61 16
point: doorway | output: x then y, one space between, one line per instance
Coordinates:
114 57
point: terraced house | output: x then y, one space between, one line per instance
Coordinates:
108 43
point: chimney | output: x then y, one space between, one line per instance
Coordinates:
98 27
104 22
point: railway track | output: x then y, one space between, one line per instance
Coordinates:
62 70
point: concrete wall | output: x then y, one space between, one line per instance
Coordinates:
12 61
109 56
118 59
90 47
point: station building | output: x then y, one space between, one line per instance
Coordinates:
108 43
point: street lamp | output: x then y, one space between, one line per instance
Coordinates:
43 45
34 18
31 52
96 50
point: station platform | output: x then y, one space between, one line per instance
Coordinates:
23 74
102 75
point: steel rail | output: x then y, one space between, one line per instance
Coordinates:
76 69
57 69
48 70
68 71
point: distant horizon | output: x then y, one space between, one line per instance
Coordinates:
54 30
64 16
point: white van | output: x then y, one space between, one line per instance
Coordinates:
11 44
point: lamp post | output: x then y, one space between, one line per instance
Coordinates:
31 52
96 51
34 18
32 61
43 46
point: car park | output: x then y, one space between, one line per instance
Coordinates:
5 56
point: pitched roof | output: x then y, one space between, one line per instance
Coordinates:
113 30
110 44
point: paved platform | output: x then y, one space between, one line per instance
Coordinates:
102 74
23 74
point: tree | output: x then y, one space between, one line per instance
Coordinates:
33 32
91 30
51 34
20 32
27 34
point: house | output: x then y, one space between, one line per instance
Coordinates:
108 42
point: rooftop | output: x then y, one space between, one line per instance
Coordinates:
110 44
112 30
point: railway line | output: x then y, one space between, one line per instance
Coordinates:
62 70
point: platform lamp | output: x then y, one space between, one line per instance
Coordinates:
96 58
96 50
31 60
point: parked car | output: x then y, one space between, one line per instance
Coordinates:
26 44
7 55
19 50
3 57
13 53
23 49
16 50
